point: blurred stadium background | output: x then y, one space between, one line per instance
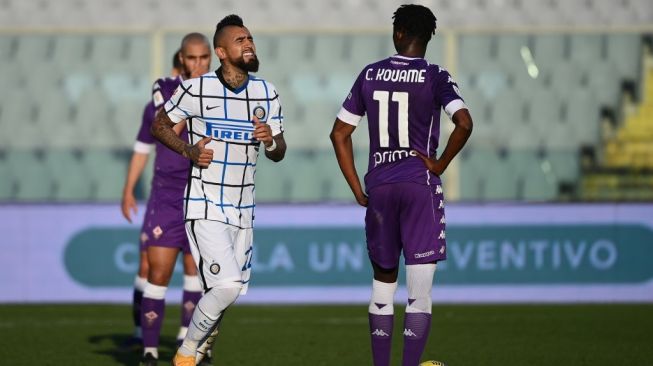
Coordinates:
561 92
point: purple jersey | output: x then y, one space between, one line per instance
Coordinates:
170 168
163 224
402 97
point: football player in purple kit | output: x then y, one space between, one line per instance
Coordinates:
164 233
128 206
402 96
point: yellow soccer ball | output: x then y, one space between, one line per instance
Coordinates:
432 363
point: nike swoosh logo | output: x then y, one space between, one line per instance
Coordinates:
212 107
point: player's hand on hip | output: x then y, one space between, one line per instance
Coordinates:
262 132
434 165
128 205
200 155
362 199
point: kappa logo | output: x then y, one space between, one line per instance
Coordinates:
157 232
438 189
380 333
409 333
443 220
441 205
425 254
442 235
442 249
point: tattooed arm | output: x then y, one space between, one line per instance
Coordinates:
162 130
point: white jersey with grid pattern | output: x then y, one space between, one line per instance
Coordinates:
225 190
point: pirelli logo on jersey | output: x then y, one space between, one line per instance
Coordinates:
224 132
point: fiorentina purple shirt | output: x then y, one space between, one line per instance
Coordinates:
170 168
402 98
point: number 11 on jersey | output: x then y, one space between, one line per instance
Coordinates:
383 97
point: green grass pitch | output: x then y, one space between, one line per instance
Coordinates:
461 335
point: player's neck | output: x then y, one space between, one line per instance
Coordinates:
414 51
233 76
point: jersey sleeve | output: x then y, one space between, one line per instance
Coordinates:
144 139
276 114
157 94
353 108
447 93
183 104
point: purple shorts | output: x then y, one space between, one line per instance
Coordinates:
163 225
405 216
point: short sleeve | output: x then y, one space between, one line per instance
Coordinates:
183 104
353 108
144 139
275 119
157 94
447 93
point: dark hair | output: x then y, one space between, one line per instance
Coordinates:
416 21
176 62
193 37
227 21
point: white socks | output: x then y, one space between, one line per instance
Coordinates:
140 283
419 280
155 292
382 300
192 284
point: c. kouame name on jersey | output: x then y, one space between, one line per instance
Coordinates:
225 190
402 98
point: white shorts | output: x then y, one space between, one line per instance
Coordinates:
222 253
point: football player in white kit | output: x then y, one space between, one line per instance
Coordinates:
229 113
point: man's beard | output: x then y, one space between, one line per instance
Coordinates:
251 66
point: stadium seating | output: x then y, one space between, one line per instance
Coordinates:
361 14
535 98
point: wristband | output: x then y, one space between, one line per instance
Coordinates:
271 147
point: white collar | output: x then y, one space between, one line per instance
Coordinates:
406 58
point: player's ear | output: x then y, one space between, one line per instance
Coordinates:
220 52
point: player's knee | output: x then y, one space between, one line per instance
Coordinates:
155 292
224 296
387 275
159 276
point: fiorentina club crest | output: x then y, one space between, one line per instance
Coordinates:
157 232
150 317
189 306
